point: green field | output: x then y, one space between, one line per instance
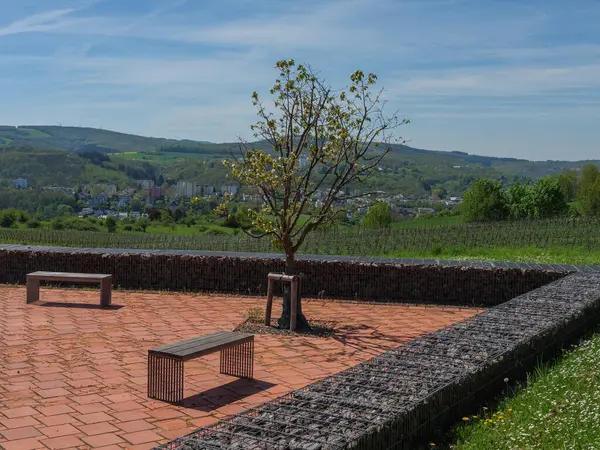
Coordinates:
559 408
568 241
164 157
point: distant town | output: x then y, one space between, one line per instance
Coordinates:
107 200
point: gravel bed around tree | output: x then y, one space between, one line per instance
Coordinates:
318 328
403 396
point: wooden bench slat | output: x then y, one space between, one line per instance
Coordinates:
67 276
202 343
193 341
193 348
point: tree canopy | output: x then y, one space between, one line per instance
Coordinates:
379 215
316 143
486 200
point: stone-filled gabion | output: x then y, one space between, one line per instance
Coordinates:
398 280
402 396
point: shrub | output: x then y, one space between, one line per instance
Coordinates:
57 224
378 216
8 218
485 201
111 224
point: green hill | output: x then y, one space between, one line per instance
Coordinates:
67 155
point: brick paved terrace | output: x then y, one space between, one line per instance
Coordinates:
73 375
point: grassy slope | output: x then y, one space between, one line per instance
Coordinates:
559 409
414 167
54 167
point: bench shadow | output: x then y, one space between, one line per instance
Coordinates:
78 305
225 394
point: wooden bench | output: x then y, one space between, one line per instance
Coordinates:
165 364
33 283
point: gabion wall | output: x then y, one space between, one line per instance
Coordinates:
400 398
413 281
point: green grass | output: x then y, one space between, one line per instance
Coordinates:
539 255
161 157
558 409
33 133
183 230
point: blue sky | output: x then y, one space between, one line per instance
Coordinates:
493 77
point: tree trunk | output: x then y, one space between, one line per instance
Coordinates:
284 320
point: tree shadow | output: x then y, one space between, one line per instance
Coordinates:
78 305
366 338
225 394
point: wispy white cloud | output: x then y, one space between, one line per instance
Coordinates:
42 22
188 70
499 81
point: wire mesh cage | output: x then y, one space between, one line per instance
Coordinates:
405 394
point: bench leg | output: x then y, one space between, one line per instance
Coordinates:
105 292
238 361
33 290
165 378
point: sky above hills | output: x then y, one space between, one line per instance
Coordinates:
492 77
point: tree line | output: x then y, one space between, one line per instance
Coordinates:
572 193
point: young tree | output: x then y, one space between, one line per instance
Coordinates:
314 140
8 218
516 196
486 200
111 224
588 191
568 184
378 216
545 199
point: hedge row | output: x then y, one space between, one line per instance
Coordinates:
400 398
344 278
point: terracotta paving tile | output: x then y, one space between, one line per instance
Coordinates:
146 446
97 428
59 430
54 410
170 424
50 384
90 408
87 399
126 416
84 371
94 418
203 421
165 413
101 440
19 423
136 425
141 437
59 419
125 406
23 411
63 442
20 433
22 444
49 393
